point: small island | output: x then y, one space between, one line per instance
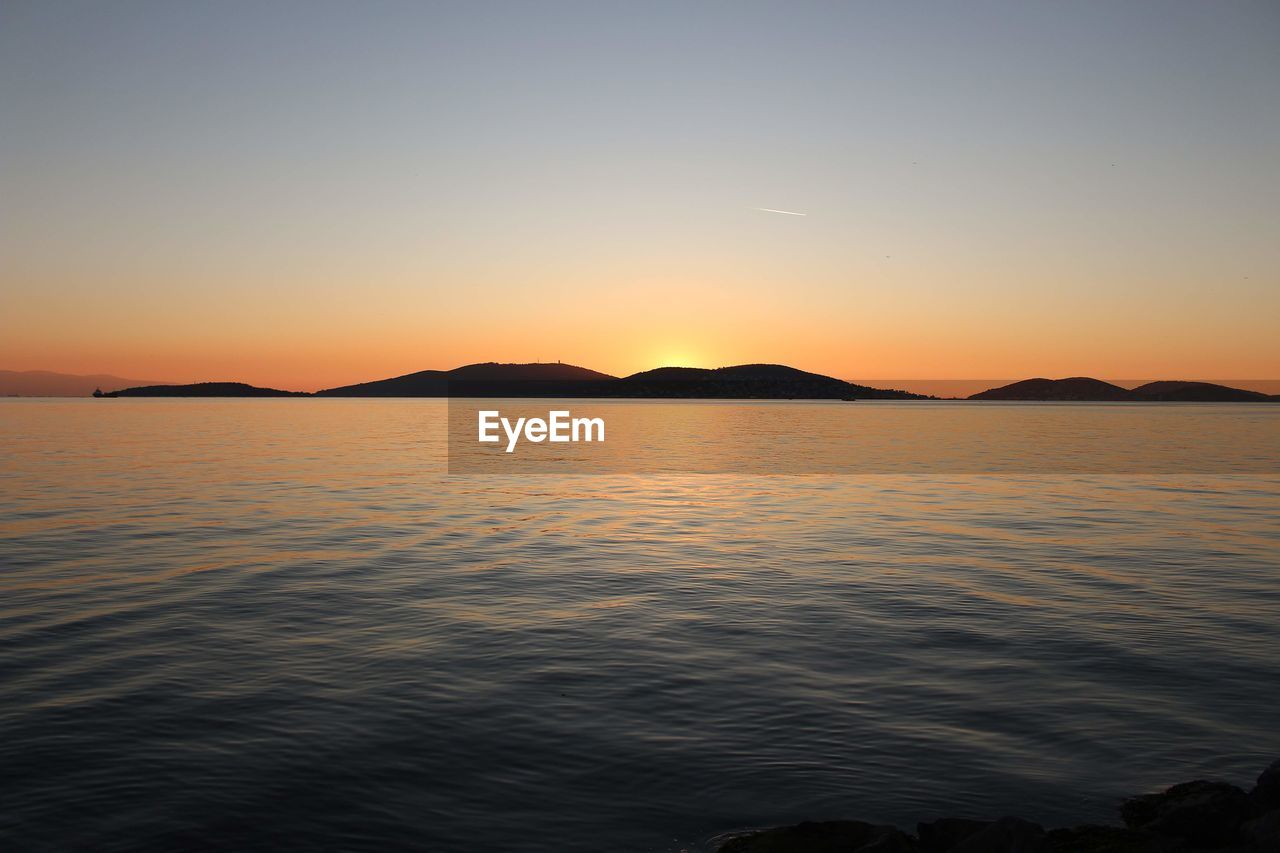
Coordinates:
201 389
1086 389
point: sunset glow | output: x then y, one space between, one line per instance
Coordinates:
330 211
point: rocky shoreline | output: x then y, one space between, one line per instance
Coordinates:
1199 815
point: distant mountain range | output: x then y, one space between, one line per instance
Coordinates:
491 379
46 383
1083 388
744 381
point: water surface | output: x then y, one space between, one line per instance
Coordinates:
239 624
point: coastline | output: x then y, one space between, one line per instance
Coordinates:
1198 815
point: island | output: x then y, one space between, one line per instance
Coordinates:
742 382
201 389
1086 389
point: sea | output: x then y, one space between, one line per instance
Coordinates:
316 624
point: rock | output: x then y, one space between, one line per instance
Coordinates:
1205 813
1006 835
1263 832
1266 794
941 835
837 836
893 840
1193 816
1110 839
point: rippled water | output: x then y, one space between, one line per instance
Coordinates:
246 624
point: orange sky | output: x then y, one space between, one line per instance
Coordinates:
336 341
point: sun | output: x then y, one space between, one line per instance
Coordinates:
678 356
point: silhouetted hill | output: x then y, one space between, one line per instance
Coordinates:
747 381
424 383
204 389
964 388
489 379
1080 388
1197 392
764 381
46 383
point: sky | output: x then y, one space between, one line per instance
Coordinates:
307 194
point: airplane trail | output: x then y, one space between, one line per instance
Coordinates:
773 210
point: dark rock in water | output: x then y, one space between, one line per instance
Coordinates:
890 841
943 834
1006 835
1193 816
1110 839
1205 813
837 836
946 835
1266 794
1263 832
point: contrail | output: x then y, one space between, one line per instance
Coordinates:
771 210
